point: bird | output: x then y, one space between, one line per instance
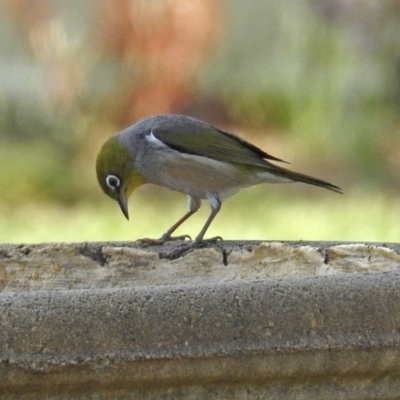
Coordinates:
189 156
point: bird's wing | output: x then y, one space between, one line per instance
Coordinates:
196 137
210 142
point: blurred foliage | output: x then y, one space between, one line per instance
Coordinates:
322 75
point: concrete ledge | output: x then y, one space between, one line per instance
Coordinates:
229 327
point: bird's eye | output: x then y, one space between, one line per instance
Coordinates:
113 182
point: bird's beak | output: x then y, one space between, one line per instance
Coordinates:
123 204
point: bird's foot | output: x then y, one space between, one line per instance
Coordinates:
194 245
211 240
163 239
168 238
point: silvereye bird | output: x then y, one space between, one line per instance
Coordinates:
189 156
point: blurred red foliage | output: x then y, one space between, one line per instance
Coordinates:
161 44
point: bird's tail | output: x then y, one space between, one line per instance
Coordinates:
297 177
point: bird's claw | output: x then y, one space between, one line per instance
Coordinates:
163 239
167 238
211 240
195 244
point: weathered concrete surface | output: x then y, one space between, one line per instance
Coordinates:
117 265
237 320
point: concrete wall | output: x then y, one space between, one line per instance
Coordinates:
240 320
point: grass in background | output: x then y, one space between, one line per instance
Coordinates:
264 213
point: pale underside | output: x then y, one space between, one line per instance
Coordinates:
197 176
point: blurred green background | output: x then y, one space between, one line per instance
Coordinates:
315 82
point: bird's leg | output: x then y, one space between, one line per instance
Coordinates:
167 235
194 205
215 207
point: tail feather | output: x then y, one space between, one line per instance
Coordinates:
298 177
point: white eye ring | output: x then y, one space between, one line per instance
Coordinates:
113 182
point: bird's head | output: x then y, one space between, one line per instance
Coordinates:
116 172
